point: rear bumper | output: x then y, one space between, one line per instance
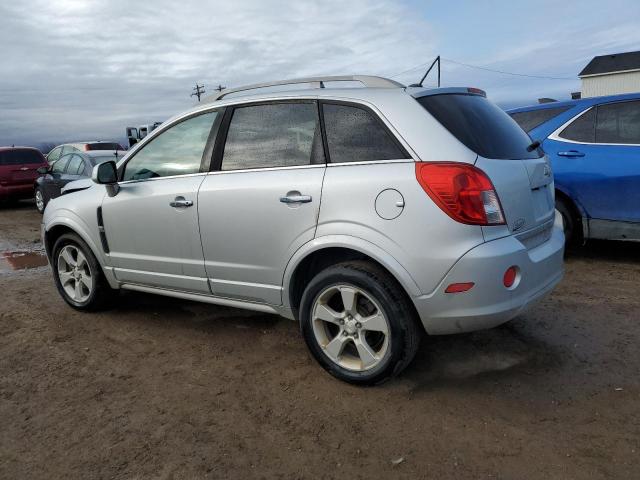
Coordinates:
24 190
489 303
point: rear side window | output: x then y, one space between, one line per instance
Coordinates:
480 125
273 135
356 135
534 118
582 129
19 157
618 123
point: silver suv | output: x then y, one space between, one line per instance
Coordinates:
369 215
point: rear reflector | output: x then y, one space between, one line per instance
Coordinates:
510 276
459 287
462 191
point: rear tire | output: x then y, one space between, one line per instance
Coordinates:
78 275
571 223
358 323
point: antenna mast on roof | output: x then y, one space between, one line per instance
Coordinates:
419 84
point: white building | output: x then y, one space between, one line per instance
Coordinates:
611 75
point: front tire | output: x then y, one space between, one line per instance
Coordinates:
358 323
78 275
39 198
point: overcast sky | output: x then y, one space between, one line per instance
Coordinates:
74 70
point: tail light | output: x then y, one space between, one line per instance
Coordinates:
462 191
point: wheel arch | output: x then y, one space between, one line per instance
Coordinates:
576 208
325 251
55 229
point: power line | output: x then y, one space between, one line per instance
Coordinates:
546 77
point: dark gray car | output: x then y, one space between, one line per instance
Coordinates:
69 167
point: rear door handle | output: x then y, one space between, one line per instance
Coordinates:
181 202
296 199
571 153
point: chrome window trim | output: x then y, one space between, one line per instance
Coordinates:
368 162
556 133
169 177
263 169
234 102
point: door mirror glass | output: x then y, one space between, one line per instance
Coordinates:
42 170
105 173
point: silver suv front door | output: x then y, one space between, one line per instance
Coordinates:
151 224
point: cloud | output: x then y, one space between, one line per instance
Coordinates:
73 69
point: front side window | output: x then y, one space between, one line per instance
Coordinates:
356 135
61 164
618 123
273 135
74 164
581 129
176 151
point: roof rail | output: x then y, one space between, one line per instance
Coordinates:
367 80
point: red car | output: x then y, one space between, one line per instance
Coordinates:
18 171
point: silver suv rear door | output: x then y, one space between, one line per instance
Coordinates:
261 202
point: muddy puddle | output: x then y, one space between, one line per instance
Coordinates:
21 260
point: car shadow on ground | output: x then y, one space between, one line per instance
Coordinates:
606 250
467 359
17 204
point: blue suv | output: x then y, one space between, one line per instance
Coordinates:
593 145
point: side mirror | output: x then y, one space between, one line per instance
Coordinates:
43 170
106 174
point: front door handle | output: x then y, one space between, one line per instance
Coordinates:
181 202
296 199
571 153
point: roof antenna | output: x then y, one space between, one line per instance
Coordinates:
437 60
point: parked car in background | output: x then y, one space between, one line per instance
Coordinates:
368 214
18 170
594 147
63 149
68 168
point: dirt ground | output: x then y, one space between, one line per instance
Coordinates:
168 389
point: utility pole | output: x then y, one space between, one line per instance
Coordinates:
198 91
219 88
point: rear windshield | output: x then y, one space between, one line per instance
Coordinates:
103 146
19 157
481 125
534 118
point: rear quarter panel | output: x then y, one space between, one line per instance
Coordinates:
423 239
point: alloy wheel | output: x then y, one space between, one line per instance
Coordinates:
75 273
350 327
39 200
